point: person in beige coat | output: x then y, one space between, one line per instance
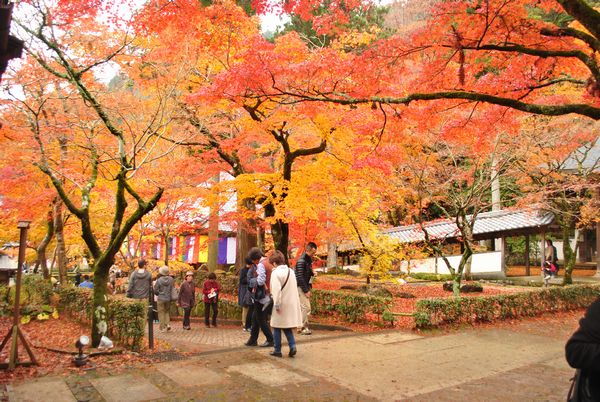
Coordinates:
287 314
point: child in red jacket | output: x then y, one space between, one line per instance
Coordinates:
211 290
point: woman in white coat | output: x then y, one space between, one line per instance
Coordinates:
287 314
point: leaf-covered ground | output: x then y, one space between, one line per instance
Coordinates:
57 334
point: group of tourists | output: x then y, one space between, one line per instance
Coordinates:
165 292
268 287
274 297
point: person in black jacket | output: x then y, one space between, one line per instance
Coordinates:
583 349
304 278
244 299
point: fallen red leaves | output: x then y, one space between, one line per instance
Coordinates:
57 334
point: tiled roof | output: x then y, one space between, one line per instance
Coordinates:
485 223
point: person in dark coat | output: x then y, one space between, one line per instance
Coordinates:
211 290
187 298
244 297
304 278
257 281
583 349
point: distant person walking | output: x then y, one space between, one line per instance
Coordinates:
163 288
211 291
583 352
287 314
551 257
139 282
187 298
245 297
304 278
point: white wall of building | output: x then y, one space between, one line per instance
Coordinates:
490 262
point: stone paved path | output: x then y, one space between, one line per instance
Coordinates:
518 362
201 339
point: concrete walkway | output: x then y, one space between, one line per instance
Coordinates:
522 362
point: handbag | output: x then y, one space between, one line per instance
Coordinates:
247 300
268 305
174 293
580 390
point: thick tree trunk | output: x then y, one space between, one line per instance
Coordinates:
246 232
100 299
60 243
41 249
280 231
166 240
331 255
213 239
569 254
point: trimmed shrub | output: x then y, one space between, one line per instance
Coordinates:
351 306
229 283
474 287
126 317
425 276
442 311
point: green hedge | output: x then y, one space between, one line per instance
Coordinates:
36 292
126 317
229 283
425 276
441 311
351 306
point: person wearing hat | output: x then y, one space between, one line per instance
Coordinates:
163 288
187 298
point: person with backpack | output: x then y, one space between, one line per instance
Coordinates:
287 314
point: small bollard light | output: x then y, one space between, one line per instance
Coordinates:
81 359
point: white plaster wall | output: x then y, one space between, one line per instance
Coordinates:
480 263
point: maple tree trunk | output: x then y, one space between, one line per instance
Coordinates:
41 249
246 236
280 231
456 280
166 240
60 243
569 254
100 299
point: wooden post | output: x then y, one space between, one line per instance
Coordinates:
527 264
15 331
503 255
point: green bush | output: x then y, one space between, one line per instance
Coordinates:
353 307
126 317
442 311
425 276
36 290
229 283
